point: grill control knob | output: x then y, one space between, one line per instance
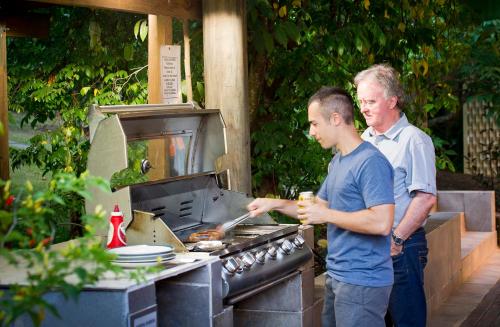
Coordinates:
271 252
260 257
230 265
240 265
286 247
298 241
248 260
145 166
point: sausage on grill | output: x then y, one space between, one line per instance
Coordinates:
206 235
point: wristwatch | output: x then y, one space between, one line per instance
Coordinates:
397 240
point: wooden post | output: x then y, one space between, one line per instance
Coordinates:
187 59
4 138
159 33
226 81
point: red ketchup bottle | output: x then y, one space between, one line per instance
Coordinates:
116 232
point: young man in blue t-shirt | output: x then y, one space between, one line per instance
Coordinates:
356 200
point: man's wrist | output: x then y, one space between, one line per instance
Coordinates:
398 240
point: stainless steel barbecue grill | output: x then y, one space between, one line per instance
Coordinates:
166 167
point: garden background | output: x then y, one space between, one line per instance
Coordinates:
447 51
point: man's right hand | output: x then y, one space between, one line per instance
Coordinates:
260 206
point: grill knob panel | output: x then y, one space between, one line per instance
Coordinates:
248 260
299 242
231 266
286 247
271 252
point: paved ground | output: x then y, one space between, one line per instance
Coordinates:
487 313
478 299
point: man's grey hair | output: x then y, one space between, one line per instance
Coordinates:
334 99
387 77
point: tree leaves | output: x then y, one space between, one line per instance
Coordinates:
66 90
327 43
282 11
128 52
366 4
281 35
292 30
141 29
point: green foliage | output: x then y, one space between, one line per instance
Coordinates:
27 229
89 57
29 222
141 29
297 46
481 70
136 151
443 153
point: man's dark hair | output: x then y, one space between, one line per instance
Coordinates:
334 99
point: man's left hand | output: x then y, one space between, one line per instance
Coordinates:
395 249
311 213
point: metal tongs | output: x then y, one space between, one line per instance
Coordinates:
232 223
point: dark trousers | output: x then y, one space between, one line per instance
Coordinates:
407 305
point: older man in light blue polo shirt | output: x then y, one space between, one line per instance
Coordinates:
411 154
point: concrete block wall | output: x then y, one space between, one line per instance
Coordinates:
478 232
442 273
478 208
459 241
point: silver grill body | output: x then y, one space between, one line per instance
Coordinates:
168 161
197 204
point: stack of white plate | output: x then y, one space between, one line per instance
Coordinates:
142 255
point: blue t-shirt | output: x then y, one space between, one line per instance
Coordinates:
360 180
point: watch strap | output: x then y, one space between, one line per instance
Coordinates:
397 240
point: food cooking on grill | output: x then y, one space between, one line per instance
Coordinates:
206 235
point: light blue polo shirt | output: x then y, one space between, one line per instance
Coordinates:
411 154
359 180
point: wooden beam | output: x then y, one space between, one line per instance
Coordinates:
4 138
226 81
30 25
184 9
159 33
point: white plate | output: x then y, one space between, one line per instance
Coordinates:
138 264
146 259
141 250
141 258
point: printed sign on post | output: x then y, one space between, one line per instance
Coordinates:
170 64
